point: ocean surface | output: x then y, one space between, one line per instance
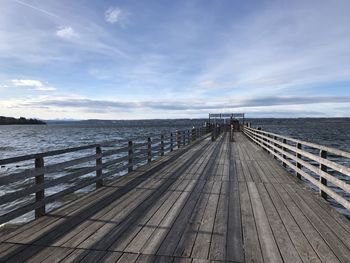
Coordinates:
28 139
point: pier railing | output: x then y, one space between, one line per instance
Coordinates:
81 167
311 161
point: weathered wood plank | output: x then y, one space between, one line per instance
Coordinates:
128 258
338 246
185 244
252 251
285 245
218 241
58 255
173 238
267 241
202 243
130 234
106 218
315 239
300 242
234 225
110 257
160 232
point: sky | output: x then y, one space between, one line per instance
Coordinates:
138 59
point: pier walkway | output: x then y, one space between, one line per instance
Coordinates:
216 201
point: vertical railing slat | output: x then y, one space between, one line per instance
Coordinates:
162 145
149 150
299 146
99 181
323 154
171 142
39 195
275 144
130 156
284 156
183 138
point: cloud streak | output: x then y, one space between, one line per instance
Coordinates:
29 84
41 10
174 105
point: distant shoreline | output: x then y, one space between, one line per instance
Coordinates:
20 121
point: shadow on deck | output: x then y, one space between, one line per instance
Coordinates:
223 201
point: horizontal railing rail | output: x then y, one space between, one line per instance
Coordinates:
307 160
85 166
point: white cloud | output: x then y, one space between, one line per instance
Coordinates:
66 32
115 15
32 84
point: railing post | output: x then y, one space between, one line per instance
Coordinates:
171 142
149 150
284 156
323 154
258 129
99 181
266 142
39 195
178 138
298 155
162 145
274 150
130 156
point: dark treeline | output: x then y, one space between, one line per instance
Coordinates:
10 120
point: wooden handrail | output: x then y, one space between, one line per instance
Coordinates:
338 167
46 154
309 144
285 152
105 161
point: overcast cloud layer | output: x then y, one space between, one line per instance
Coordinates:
151 59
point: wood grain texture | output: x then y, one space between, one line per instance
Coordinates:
217 201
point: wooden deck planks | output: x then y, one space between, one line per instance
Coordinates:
212 201
267 241
252 249
280 233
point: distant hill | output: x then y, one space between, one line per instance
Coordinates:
21 120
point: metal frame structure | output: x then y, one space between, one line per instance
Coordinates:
223 116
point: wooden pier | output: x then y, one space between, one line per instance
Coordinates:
209 201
